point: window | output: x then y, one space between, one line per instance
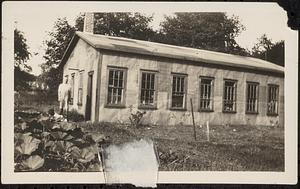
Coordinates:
116 83
229 97
148 92
206 94
72 82
273 99
80 86
252 97
178 92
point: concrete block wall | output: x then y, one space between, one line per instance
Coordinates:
86 59
163 114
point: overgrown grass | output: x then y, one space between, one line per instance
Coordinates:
231 148
36 100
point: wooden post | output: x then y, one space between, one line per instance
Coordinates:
207 130
193 119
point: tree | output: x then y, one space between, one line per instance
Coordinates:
131 25
210 31
124 24
59 39
21 56
21 50
267 50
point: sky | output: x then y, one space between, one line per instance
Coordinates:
36 19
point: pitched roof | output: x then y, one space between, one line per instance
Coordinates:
171 51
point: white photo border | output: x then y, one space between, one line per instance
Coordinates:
8 176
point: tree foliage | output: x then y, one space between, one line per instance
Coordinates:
21 56
210 31
124 24
59 39
58 42
268 50
21 51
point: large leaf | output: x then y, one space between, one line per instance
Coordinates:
58 135
43 118
69 137
48 143
97 137
61 146
86 155
45 134
94 149
66 126
76 152
83 155
33 163
29 145
20 136
55 126
77 133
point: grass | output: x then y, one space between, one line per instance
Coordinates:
38 101
231 148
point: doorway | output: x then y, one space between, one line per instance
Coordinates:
88 107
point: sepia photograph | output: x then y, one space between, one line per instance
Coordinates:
156 91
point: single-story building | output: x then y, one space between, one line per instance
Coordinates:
113 76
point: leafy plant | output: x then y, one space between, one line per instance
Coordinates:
41 144
28 145
33 163
136 117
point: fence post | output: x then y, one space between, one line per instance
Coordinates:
207 130
193 119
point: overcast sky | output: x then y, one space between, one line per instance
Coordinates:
35 19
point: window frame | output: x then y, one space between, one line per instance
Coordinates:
72 83
257 97
123 102
147 106
185 76
80 88
211 95
235 96
277 100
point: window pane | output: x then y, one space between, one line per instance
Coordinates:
229 98
178 92
177 101
252 95
80 96
273 99
205 94
147 93
152 81
115 86
80 85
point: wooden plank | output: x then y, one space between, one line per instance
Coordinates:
193 119
98 87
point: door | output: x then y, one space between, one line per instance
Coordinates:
88 107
